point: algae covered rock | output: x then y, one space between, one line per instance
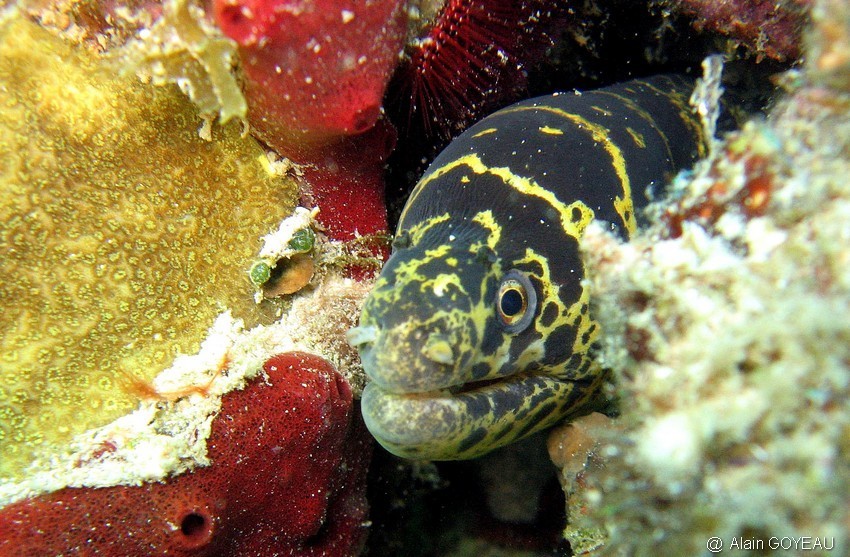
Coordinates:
123 235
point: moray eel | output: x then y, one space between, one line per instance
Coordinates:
477 332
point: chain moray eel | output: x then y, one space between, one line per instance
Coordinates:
477 332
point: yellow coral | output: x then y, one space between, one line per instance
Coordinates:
183 47
122 236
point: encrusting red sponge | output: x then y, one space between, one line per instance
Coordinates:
287 478
315 70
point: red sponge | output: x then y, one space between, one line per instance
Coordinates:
315 70
287 478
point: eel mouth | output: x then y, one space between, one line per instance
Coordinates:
422 408
473 386
468 420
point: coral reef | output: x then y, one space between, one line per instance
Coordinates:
287 476
178 44
164 42
345 181
574 450
726 328
132 249
166 434
123 236
97 24
135 232
766 28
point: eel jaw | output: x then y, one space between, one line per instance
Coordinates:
441 425
420 405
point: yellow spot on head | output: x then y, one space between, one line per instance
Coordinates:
551 131
637 138
438 350
442 282
486 219
488 131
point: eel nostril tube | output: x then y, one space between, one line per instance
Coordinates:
358 336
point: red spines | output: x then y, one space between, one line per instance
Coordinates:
473 60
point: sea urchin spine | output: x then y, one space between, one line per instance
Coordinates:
473 59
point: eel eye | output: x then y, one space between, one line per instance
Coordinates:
516 301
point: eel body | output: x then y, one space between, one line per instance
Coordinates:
478 332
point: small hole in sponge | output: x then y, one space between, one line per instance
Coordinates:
235 24
193 524
196 527
233 15
364 118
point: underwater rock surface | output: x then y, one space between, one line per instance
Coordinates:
766 28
